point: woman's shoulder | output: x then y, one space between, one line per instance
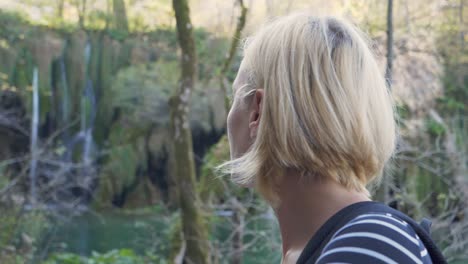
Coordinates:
375 238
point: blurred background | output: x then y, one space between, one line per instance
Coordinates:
107 147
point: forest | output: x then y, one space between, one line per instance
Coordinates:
113 120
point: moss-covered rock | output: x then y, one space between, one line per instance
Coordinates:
141 93
8 57
75 67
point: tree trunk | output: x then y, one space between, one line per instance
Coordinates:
120 15
193 228
232 52
383 192
462 28
388 71
60 6
81 8
108 14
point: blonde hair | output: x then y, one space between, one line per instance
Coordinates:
326 111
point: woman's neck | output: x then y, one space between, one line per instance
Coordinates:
305 205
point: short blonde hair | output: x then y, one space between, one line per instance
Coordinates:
326 112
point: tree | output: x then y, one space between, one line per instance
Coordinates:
81 9
60 7
120 15
383 193
193 229
462 31
232 51
388 70
238 216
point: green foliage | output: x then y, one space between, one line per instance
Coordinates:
142 92
218 190
12 26
455 83
118 34
97 19
211 184
402 114
65 258
215 187
434 128
452 48
164 35
451 105
402 111
8 220
374 23
121 256
21 234
211 52
120 172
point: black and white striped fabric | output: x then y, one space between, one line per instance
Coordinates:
375 238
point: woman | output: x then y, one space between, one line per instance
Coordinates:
311 126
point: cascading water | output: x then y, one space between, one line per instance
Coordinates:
83 138
34 135
88 111
65 100
88 114
87 117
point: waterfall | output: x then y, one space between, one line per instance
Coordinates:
87 117
88 110
87 56
82 142
91 114
34 132
65 93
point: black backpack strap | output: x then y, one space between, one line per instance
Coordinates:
314 248
423 231
426 225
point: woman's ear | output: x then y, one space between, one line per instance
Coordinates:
255 112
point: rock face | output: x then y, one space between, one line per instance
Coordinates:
417 80
416 83
13 133
416 74
115 89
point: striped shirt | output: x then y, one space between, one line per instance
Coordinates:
375 238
